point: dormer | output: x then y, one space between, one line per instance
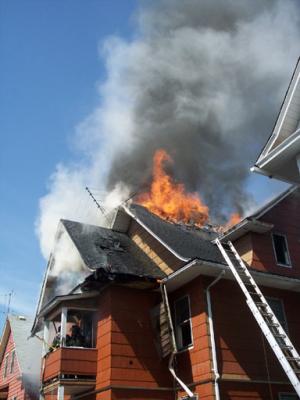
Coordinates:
280 157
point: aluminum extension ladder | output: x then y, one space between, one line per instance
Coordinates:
279 341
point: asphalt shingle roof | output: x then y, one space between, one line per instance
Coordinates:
189 243
28 350
112 251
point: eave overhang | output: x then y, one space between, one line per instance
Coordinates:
196 268
281 162
245 226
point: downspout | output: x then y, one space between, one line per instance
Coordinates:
212 335
174 347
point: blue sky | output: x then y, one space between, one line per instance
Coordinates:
49 68
49 71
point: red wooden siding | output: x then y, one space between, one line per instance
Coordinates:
70 361
195 364
286 219
15 388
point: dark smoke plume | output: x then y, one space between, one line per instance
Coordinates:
206 89
202 79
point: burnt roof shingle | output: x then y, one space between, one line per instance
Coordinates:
112 251
188 243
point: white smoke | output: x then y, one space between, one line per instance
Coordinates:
187 60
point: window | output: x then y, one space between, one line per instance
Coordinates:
287 396
281 249
183 326
12 361
5 366
278 310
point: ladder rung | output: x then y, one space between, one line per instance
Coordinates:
261 304
257 294
285 347
278 335
267 314
273 324
293 359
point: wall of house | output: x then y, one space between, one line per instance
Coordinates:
244 247
194 365
243 353
12 379
286 219
162 257
128 360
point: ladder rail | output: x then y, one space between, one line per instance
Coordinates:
261 308
267 307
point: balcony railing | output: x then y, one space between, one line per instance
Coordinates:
70 362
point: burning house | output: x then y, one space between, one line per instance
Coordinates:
159 313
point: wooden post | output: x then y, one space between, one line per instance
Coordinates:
63 326
46 338
60 392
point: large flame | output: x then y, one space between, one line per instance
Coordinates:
169 200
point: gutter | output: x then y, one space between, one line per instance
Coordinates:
212 335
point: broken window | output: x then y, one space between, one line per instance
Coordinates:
278 310
183 326
12 361
281 249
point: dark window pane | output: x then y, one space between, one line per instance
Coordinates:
182 310
186 334
281 251
277 308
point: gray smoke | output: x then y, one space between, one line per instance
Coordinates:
206 79
202 79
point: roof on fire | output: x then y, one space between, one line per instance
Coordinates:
113 251
184 242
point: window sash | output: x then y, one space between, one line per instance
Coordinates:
182 322
285 250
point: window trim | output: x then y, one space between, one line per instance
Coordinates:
286 327
182 349
12 361
5 370
287 247
280 394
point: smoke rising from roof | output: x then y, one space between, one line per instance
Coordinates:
202 80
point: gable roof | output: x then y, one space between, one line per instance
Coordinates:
185 242
278 156
27 349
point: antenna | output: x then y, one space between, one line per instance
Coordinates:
98 205
9 297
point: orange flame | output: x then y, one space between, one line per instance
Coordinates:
233 220
169 200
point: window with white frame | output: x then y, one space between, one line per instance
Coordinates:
5 371
183 325
12 361
281 249
278 310
288 396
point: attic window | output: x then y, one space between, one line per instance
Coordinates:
12 362
281 250
183 325
5 366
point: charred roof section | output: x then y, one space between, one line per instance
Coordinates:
112 252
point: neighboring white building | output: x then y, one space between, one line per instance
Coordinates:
280 157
